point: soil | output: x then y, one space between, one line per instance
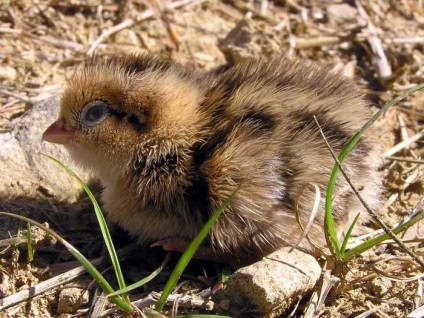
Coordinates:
43 41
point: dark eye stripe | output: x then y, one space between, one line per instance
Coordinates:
137 121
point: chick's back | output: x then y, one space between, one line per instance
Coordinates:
265 138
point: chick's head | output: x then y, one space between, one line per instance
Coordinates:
124 107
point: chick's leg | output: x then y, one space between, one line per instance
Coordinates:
202 253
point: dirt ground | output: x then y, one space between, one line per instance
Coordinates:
378 43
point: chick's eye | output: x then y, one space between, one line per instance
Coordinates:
95 113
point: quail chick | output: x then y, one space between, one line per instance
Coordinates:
170 145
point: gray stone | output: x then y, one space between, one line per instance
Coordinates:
273 284
72 299
25 171
380 286
338 14
249 39
7 73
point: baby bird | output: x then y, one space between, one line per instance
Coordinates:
170 145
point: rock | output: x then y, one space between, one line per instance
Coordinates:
25 171
380 286
72 299
338 14
6 284
248 39
127 37
273 284
7 73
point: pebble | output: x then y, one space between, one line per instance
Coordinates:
33 175
273 284
72 299
341 13
7 73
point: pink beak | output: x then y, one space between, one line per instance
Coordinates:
56 133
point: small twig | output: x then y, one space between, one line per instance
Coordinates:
301 43
294 6
48 88
99 303
405 40
384 70
246 7
51 283
311 307
119 27
55 42
411 214
186 301
42 287
392 278
403 132
129 22
26 100
229 11
393 197
264 7
371 276
401 88
83 5
406 241
99 15
18 240
328 281
366 206
369 312
10 106
9 30
405 160
404 144
410 112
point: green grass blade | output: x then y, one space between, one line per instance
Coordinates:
29 243
103 227
225 272
348 235
188 254
329 221
81 258
344 152
377 240
144 280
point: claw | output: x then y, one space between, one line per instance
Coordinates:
172 245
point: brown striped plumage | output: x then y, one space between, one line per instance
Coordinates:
170 144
